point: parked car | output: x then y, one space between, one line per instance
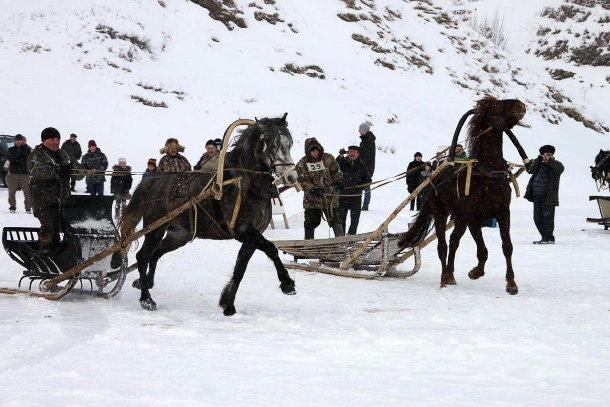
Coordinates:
6 142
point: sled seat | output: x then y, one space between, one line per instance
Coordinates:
603 202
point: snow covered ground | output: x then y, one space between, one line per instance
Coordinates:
339 341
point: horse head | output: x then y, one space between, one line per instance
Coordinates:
273 148
492 117
602 165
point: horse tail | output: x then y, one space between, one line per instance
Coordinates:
131 216
420 228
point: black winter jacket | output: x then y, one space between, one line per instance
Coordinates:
413 179
367 151
73 149
354 173
95 161
552 187
18 156
121 180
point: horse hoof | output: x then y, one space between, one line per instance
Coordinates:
474 274
288 288
136 284
229 310
148 305
512 290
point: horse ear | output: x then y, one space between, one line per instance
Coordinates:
284 117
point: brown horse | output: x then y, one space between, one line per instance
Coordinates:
489 196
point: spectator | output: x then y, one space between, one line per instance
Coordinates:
18 176
367 155
151 169
460 153
423 176
438 160
72 147
414 178
208 163
120 184
218 143
543 191
320 177
50 170
355 174
172 161
94 159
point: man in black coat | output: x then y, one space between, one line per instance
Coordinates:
355 173
543 191
72 147
367 155
19 175
414 179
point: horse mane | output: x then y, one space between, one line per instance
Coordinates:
475 127
251 134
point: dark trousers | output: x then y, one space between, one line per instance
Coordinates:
52 222
544 217
353 204
313 218
417 200
72 183
96 189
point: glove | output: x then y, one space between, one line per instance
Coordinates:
319 192
65 170
340 186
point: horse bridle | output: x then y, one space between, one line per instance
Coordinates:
274 158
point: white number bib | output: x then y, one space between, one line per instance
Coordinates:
319 166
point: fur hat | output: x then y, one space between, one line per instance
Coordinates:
547 148
152 161
91 144
19 137
122 160
171 142
49 132
365 127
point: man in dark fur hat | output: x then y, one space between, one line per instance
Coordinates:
355 174
173 161
543 191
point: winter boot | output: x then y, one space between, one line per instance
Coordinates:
309 234
338 230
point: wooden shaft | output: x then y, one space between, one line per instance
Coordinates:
346 263
221 159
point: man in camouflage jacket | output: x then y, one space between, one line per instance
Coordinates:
320 177
50 169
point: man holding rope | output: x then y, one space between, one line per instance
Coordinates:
356 176
320 177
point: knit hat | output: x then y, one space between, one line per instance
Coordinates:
418 154
171 142
73 135
19 137
122 160
547 148
210 143
152 161
365 127
91 144
49 132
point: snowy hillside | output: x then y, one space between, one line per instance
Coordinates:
132 73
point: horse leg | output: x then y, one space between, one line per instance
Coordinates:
454 244
440 224
286 283
482 254
144 255
227 297
507 249
174 239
